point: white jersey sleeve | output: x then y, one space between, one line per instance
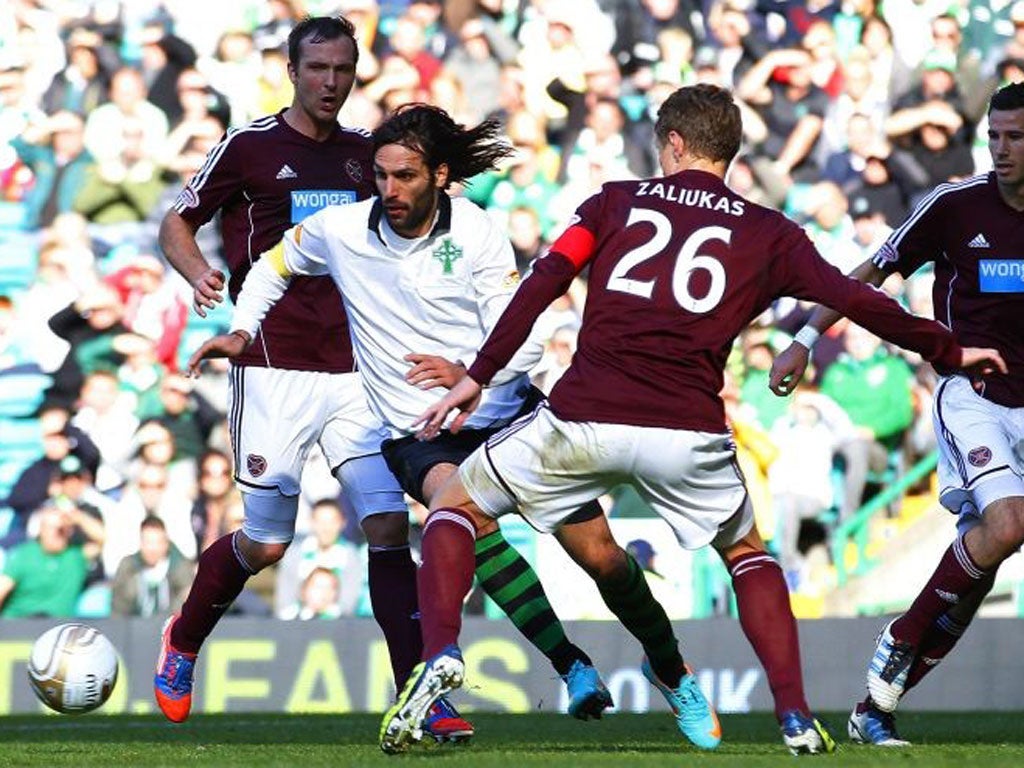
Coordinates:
495 281
302 251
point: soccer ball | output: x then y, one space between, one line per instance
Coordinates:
73 668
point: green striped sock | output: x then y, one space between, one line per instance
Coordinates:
510 582
631 601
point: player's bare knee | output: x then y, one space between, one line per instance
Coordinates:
386 530
257 554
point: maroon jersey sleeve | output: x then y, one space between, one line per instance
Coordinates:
549 278
802 273
214 186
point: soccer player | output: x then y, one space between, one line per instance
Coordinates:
297 384
424 276
970 232
679 265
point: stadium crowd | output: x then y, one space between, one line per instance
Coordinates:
115 468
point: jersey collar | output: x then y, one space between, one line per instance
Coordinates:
441 226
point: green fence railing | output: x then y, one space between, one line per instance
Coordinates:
857 528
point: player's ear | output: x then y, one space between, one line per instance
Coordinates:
441 176
678 145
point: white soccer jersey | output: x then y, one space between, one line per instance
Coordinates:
438 295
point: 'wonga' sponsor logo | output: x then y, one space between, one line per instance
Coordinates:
1001 275
308 201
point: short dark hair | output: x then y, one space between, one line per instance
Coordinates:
152 521
707 119
433 133
317 29
1007 98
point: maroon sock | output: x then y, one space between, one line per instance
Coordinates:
445 576
767 620
936 644
392 577
955 577
220 577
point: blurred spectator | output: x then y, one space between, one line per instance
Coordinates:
153 304
870 229
122 190
216 493
44 576
146 495
780 89
165 57
154 443
72 490
831 228
928 124
84 83
104 413
857 98
476 62
668 595
54 150
187 414
525 234
947 36
318 597
877 185
759 346
873 387
528 180
558 354
323 547
155 580
890 76
279 16
408 39
199 103
845 166
90 325
233 71
60 440
735 44
107 125
274 89
826 70
800 477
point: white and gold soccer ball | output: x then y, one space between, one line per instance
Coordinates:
73 668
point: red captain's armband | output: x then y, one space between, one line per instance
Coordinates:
576 244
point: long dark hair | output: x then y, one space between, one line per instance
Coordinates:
432 132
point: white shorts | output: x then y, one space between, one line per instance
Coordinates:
275 416
981 449
547 468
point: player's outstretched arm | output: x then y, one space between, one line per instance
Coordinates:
465 395
178 242
225 345
789 366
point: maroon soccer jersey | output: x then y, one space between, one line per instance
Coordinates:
264 178
678 267
976 242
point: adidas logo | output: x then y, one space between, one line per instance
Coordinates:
287 173
979 241
949 597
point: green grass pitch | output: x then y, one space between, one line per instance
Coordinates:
502 741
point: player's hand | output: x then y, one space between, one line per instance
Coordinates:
430 371
465 395
225 345
207 291
788 368
982 361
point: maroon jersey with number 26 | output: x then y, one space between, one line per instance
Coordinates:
679 265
